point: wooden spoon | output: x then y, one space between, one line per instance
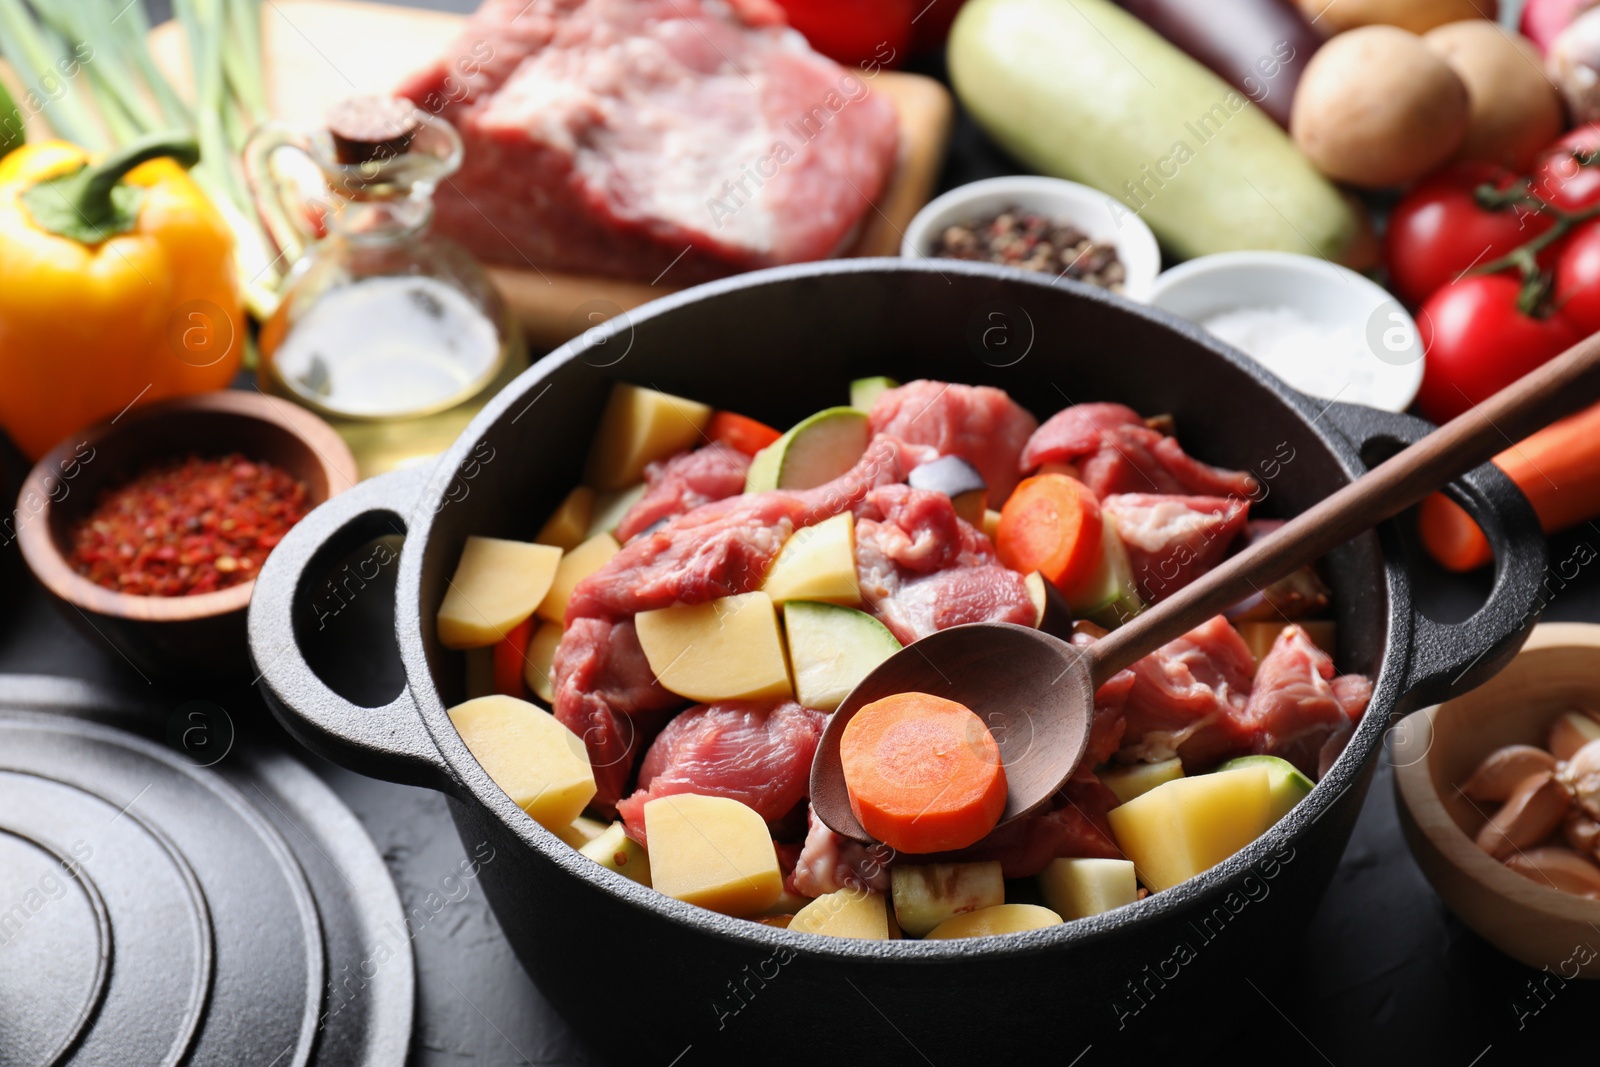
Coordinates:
1036 692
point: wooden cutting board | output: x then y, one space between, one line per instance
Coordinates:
319 51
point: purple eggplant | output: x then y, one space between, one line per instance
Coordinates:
1259 47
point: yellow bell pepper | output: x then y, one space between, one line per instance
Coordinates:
117 286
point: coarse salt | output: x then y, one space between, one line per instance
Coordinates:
1324 360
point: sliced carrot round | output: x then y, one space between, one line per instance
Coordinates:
740 432
1052 524
923 773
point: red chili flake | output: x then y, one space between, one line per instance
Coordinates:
187 526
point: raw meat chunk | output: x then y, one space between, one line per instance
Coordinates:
979 423
921 569
1298 704
829 862
757 752
684 482
608 696
1172 540
1189 697
1115 452
724 548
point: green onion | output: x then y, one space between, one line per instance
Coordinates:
241 61
25 44
130 32
118 90
134 98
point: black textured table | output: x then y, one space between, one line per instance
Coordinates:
1383 974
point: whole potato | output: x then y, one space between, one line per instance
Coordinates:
1418 16
1516 111
1376 107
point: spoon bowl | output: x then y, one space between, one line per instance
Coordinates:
1033 691
1036 693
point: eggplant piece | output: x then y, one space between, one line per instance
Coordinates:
958 480
1260 47
1051 612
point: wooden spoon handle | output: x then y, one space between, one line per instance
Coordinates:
1566 384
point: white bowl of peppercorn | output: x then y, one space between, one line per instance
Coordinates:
1045 225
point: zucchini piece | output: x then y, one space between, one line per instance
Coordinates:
1110 597
815 451
831 648
1286 785
864 392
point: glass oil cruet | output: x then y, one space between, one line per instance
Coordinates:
394 335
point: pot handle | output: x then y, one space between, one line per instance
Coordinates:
1448 659
390 742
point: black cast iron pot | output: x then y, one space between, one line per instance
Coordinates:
652 979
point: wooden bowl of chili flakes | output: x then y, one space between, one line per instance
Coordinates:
149 529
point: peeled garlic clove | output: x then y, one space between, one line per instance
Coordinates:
1528 816
1581 776
1582 833
1570 732
1498 776
1558 868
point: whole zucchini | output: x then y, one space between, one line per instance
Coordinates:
1081 89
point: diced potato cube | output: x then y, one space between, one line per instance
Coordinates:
1078 888
712 851
610 508
615 850
497 584
991 523
1138 779
542 766
817 563
858 913
539 665
581 831
574 567
566 526
928 894
1179 829
1000 919
638 427
728 649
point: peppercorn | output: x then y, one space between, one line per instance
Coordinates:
1032 241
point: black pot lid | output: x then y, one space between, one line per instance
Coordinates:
154 911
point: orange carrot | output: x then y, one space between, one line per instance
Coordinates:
510 654
1557 468
741 433
923 773
1051 523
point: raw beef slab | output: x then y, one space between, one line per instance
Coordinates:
626 137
